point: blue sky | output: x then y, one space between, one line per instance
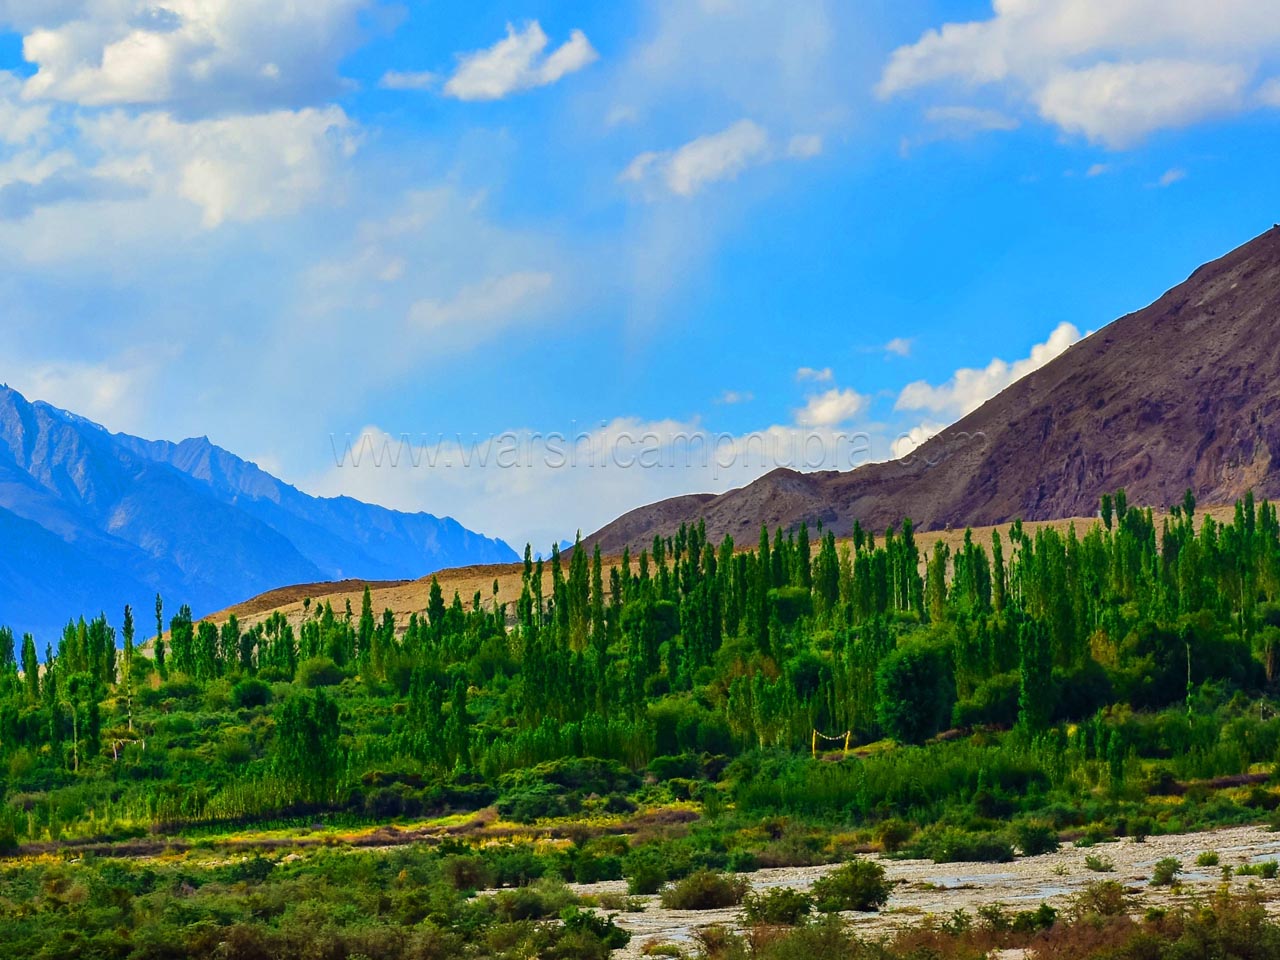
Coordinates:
740 220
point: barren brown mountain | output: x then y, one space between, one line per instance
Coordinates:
1185 393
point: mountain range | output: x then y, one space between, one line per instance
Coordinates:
1182 394
91 520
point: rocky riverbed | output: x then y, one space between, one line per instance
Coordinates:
922 888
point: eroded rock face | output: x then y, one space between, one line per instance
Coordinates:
1185 393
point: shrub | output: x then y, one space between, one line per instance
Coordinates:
646 871
580 921
950 845
1034 839
858 885
1106 898
319 672
467 873
914 692
1165 872
529 804
250 692
542 900
704 890
1207 859
779 907
894 834
1098 863
1266 870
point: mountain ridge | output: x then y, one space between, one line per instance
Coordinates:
189 520
1184 393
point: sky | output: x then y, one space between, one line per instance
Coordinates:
532 264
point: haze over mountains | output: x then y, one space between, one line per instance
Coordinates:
1184 393
91 520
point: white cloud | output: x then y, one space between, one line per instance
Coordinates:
833 408
1111 72
1120 104
732 397
1269 93
899 346
804 145
1172 176
518 62
480 311
708 159
969 388
195 56
237 168
1098 169
113 393
20 122
907 442
410 80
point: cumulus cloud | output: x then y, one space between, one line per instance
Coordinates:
1172 176
834 407
969 388
194 56
732 397
518 62
1111 72
21 122
237 168
706 160
1119 104
908 441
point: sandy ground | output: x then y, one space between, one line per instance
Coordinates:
922 888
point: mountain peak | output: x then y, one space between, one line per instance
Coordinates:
1184 393
114 519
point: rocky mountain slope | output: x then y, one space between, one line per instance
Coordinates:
1184 393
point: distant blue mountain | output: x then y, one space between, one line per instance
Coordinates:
91 520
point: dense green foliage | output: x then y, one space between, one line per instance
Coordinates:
1110 683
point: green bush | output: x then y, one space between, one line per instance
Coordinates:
1165 872
952 845
705 890
894 834
779 907
1099 864
319 672
1208 859
250 692
1034 839
576 920
858 885
915 692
